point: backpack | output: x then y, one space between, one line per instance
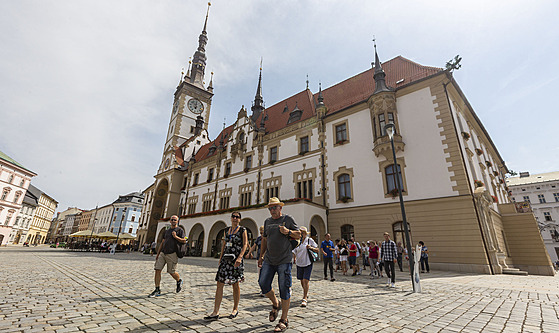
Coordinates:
181 248
313 256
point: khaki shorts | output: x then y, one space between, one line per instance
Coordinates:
170 259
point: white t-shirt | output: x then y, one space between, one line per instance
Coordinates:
301 255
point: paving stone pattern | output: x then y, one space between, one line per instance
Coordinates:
46 289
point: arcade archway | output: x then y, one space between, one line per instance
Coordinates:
196 240
158 208
215 238
252 230
317 229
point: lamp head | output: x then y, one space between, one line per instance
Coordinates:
390 129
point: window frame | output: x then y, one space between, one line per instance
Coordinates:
349 171
335 131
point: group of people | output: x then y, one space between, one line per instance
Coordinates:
280 244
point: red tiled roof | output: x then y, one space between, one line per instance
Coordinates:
277 119
360 87
337 97
202 153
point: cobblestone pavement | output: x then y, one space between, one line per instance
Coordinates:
58 290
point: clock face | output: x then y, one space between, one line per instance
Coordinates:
195 106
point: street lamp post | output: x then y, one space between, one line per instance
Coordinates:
390 130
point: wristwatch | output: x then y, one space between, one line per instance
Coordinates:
289 233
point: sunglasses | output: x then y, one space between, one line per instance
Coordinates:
235 217
273 207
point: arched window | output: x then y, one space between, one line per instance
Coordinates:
391 175
399 234
347 231
344 186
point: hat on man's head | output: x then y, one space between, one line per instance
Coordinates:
303 229
274 202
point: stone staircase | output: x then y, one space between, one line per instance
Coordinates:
514 271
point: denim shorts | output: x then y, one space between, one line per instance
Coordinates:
284 279
304 273
352 260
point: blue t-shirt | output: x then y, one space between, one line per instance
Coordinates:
328 247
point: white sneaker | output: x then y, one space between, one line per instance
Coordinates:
393 285
388 282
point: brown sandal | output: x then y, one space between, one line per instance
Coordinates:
281 326
274 313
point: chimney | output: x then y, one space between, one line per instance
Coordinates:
524 174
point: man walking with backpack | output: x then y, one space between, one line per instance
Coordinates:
275 258
169 246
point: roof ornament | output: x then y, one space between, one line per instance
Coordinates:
379 75
189 64
307 81
211 85
320 97
182 75
453 64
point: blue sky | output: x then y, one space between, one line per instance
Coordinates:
87 86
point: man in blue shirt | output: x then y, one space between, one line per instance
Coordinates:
327 248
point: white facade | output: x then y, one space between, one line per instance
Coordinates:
542 192
23 219
14 181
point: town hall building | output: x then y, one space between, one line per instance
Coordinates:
326 154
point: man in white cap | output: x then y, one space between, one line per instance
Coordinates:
275 257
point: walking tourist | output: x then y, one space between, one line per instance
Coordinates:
357 255
373 260
256 246
352 256
276 257
153 247
424 259
169 246
327 248
337 255
343 256
389 255
231 268
304 263
400 249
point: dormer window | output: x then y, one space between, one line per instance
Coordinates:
295 115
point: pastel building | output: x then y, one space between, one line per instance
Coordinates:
42 217
126 214
14 181
327 155
541 193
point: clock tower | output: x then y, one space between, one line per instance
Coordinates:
191 107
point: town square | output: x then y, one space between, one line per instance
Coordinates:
256 166
55 290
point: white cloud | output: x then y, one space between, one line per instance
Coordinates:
87 86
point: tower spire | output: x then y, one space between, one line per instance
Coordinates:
258 105
379 75
199 59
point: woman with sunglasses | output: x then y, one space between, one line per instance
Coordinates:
231 268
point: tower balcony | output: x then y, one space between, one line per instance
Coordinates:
381 146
